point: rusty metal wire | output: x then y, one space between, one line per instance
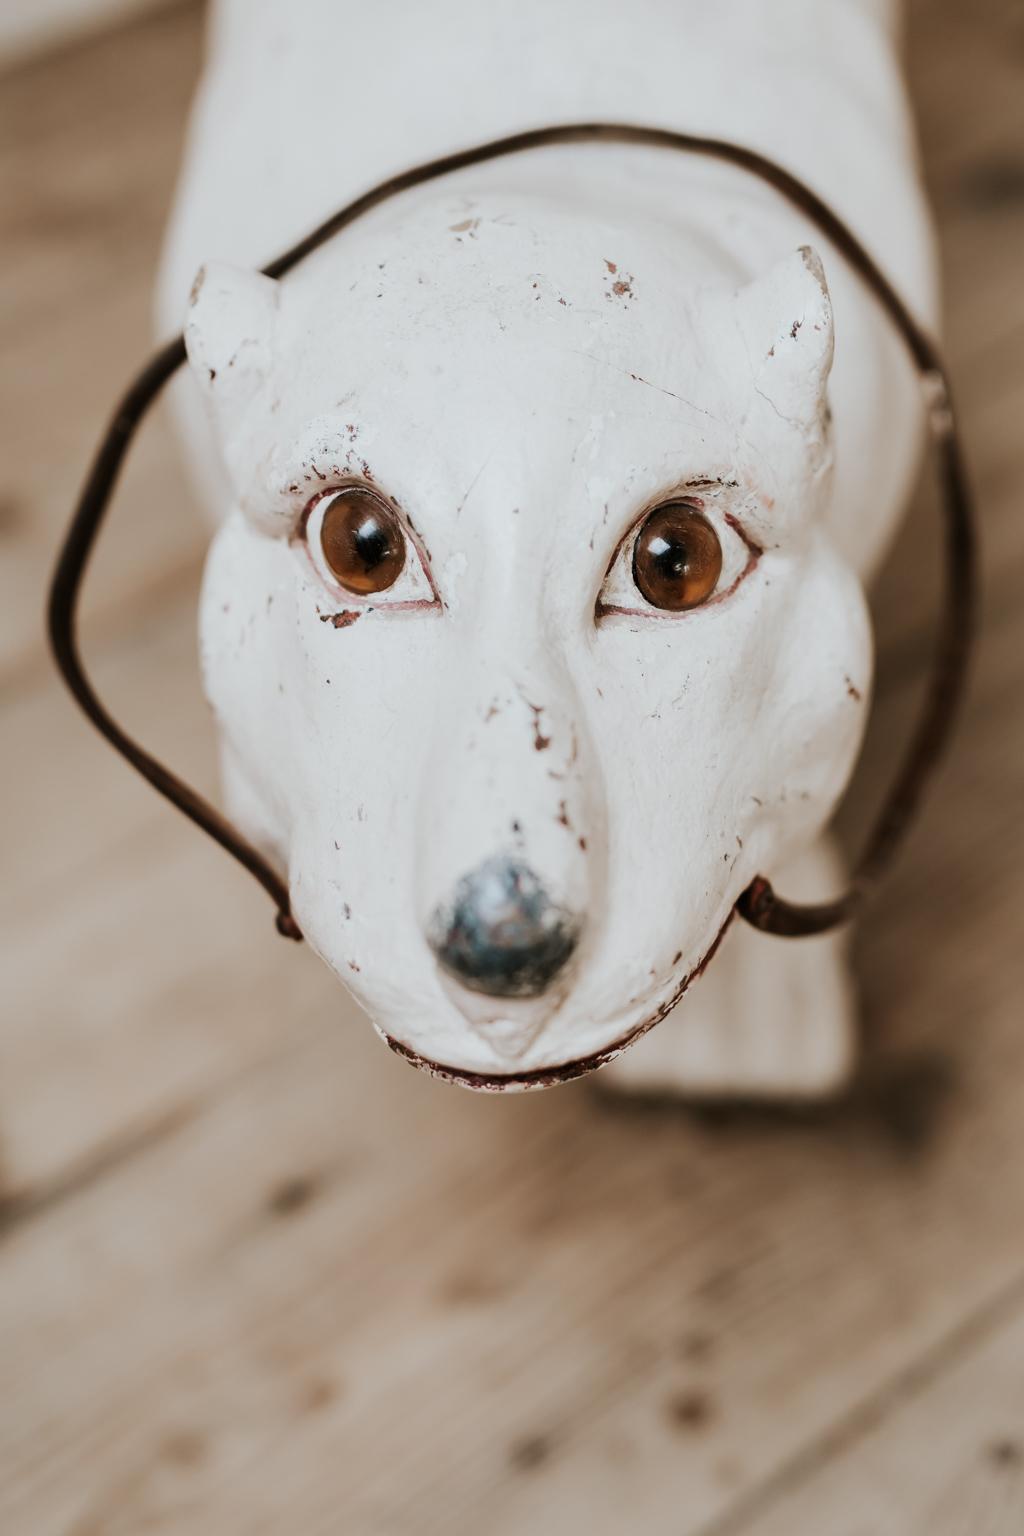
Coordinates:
758 904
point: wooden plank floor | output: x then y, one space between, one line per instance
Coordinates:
256 1275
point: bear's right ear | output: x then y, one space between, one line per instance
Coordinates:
229 332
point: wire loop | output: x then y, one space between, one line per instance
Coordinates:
758 904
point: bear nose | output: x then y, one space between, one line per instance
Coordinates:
501 933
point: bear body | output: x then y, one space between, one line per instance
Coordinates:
516 801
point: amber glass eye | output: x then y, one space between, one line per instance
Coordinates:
677 558
362 541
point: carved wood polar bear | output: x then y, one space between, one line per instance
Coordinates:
465 461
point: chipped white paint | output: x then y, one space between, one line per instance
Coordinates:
525 357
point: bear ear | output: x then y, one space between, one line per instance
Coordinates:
229 332
785 320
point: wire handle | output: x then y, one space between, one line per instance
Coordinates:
758 904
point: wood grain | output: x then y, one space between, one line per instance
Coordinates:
255 1274
89 146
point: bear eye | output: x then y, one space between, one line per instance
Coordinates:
361 547
362 541
677 557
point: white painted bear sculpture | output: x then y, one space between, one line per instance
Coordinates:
534 623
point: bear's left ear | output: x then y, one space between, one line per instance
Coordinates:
229 332
785 320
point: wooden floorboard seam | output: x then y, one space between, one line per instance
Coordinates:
907 1383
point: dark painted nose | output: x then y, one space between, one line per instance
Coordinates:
501 934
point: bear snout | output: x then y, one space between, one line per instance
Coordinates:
501 933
